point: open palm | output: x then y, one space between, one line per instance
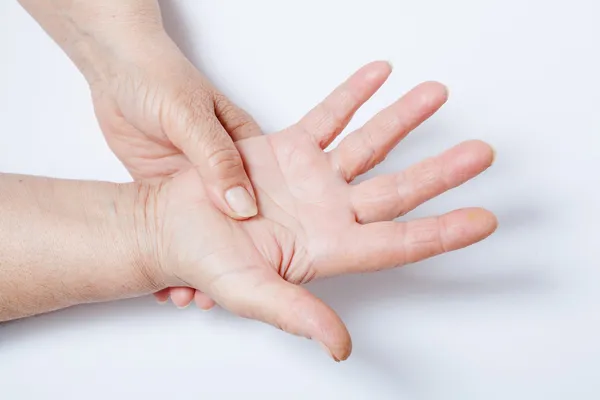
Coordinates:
312 223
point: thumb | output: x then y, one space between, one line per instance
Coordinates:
292 309
208 146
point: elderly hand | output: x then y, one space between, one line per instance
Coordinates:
161 118
159 114
98 241
313 223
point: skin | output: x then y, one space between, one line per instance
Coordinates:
312 222
159 114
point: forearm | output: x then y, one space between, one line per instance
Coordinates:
94 33
69 242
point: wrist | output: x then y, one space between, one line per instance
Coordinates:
90 243
135 220
103 54
98 34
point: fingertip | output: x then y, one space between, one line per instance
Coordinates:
490 221
241 203
482 221
333 336
183 306
381 67
481 152
372 75
337 351
483 147
434 92
478 214
464 227
162 296
203 302
327 351
182 296
425 99
343 350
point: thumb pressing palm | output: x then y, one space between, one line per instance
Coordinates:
163 118
313 222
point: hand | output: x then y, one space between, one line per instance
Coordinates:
159 114
312 222
162 118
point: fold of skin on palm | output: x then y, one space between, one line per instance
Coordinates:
390 126
312 222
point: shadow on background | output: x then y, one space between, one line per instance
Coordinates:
347 295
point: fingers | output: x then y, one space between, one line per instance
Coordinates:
182 296
199 134
330 117
288 307
203 301
363 149
237 122
387 197
162 296
382 245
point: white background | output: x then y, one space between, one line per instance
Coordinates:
515 317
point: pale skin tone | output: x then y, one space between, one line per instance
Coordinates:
100 241
158 113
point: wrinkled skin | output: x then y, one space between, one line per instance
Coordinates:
161 119
312 223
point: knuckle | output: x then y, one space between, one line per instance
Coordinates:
402 192
393 123
241 127
428 175
233 118
442 235
193 95
426 241
225 162
348 101
369 148
369 156
188 107
332 120
224 108
322 122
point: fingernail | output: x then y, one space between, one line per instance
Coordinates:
184 307
391 64
493 156
241 202
162 302
328 352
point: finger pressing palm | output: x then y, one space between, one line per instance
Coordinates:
312 223
162 118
